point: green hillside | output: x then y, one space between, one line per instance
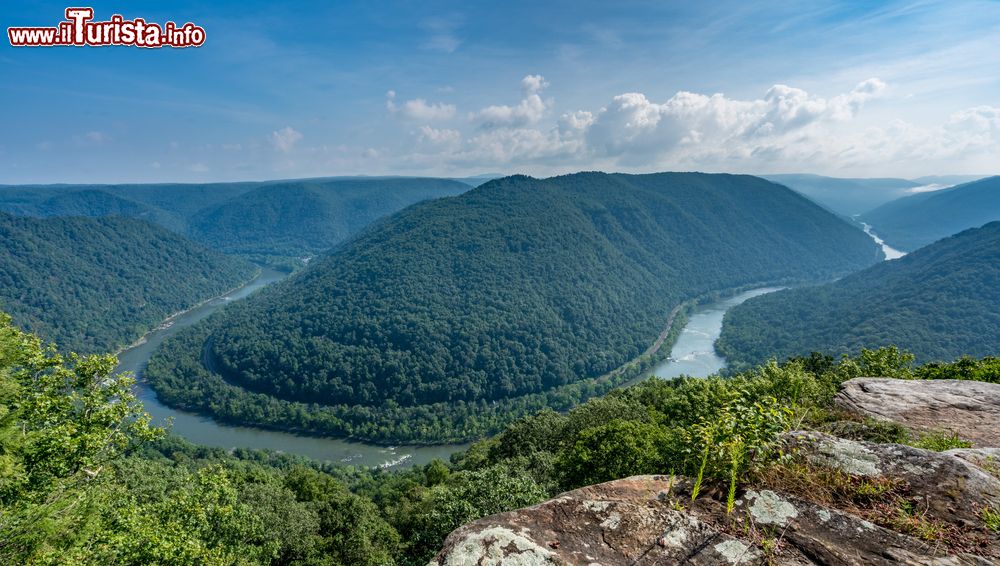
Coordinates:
915 221
443 320
274 218
96 284
940 302
307 217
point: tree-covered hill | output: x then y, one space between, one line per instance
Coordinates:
846 196
437 322
307 217
940 302
273 218
94 284
915 221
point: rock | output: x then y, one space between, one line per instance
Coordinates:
970 409
952 486
646 520
988 459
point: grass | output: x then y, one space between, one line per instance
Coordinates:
991 518
939 441
883 501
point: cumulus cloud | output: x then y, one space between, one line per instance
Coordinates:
530 110
284 140
785 128
418 109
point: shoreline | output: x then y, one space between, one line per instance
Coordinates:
165 323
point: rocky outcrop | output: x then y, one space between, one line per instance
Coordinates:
970 409
646 520
951 486
831 501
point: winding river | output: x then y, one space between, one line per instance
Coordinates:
694 354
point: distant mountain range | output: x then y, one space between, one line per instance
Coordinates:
94 284
939 302
848 197
446 319
920 219
277 218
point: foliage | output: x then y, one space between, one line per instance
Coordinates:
93 285
940 302
443 321
84 480
62 421
616 449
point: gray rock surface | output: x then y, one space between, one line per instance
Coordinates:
645 520
970 409
952 486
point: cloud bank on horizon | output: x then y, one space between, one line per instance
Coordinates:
900 89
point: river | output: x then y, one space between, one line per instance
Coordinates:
203 430
889 251
694 354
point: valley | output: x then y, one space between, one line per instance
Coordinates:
461 314
693 354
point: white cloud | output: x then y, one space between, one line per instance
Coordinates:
284 140
784 129
530 110
442 136
418 109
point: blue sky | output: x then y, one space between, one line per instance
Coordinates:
299 89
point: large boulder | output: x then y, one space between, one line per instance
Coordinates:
970 409
646 520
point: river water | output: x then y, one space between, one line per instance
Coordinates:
694 354
889 251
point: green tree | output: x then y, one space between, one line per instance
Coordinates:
614 450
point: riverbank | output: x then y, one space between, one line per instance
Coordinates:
167 322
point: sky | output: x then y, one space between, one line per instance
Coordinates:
312 89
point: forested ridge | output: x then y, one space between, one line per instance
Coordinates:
95 284
940 302
308 217
917 220
258 220
515 289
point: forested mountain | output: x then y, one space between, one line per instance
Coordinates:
940 302
306 217
846 196
93 284
914 221
441 320
275 218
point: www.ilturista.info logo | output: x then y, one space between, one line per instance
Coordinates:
79 29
